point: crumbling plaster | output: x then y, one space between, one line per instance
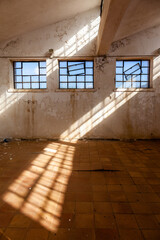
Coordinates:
101 113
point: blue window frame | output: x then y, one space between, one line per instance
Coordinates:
30 75
76 74
132 74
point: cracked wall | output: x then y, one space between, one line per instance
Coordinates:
101 113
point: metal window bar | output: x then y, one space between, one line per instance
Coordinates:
71 73
30 76
70 69
133 74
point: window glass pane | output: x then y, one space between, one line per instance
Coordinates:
136 78
63 71
63 64
76 68
119 70
136 85
145 63
80 85
42 64
71 63
17 64
89 85
89 64
26 85
144 84
71 78
71 85
127 84
63 78
42 71
119 63
89 78
35 78
76 72
30 68
26 78
131 65
43 85
144 78
89 71
119 85
17 71
43 79
18 85
119 78
18 79
80 78
63 85
35 85
145 70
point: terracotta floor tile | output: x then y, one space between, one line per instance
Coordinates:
151 234
84 220
5 219
126 221
106 234
37 233
144 188
105 221
84 201
121 208
2 230
130 234
72 234
99 188
14 234
100 196
141 208
155 207
67 220
84 207
146 221
69 207
158 218
117 197
139 180
130 188
84 196
150 197
114 188
19 220
102 207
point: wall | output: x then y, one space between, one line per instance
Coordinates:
99 113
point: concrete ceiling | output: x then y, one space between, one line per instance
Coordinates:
123 20
20 16
140 15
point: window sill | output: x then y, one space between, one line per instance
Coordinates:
26 90
75 90
134 90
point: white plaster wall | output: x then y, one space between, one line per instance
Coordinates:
102 113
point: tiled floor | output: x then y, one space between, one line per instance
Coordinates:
85 190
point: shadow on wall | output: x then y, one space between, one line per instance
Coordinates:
38 186
79 126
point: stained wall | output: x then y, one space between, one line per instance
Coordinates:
99 113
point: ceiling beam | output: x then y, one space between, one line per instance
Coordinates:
112 14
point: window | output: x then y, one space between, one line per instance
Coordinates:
76 75
30 75
132 74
